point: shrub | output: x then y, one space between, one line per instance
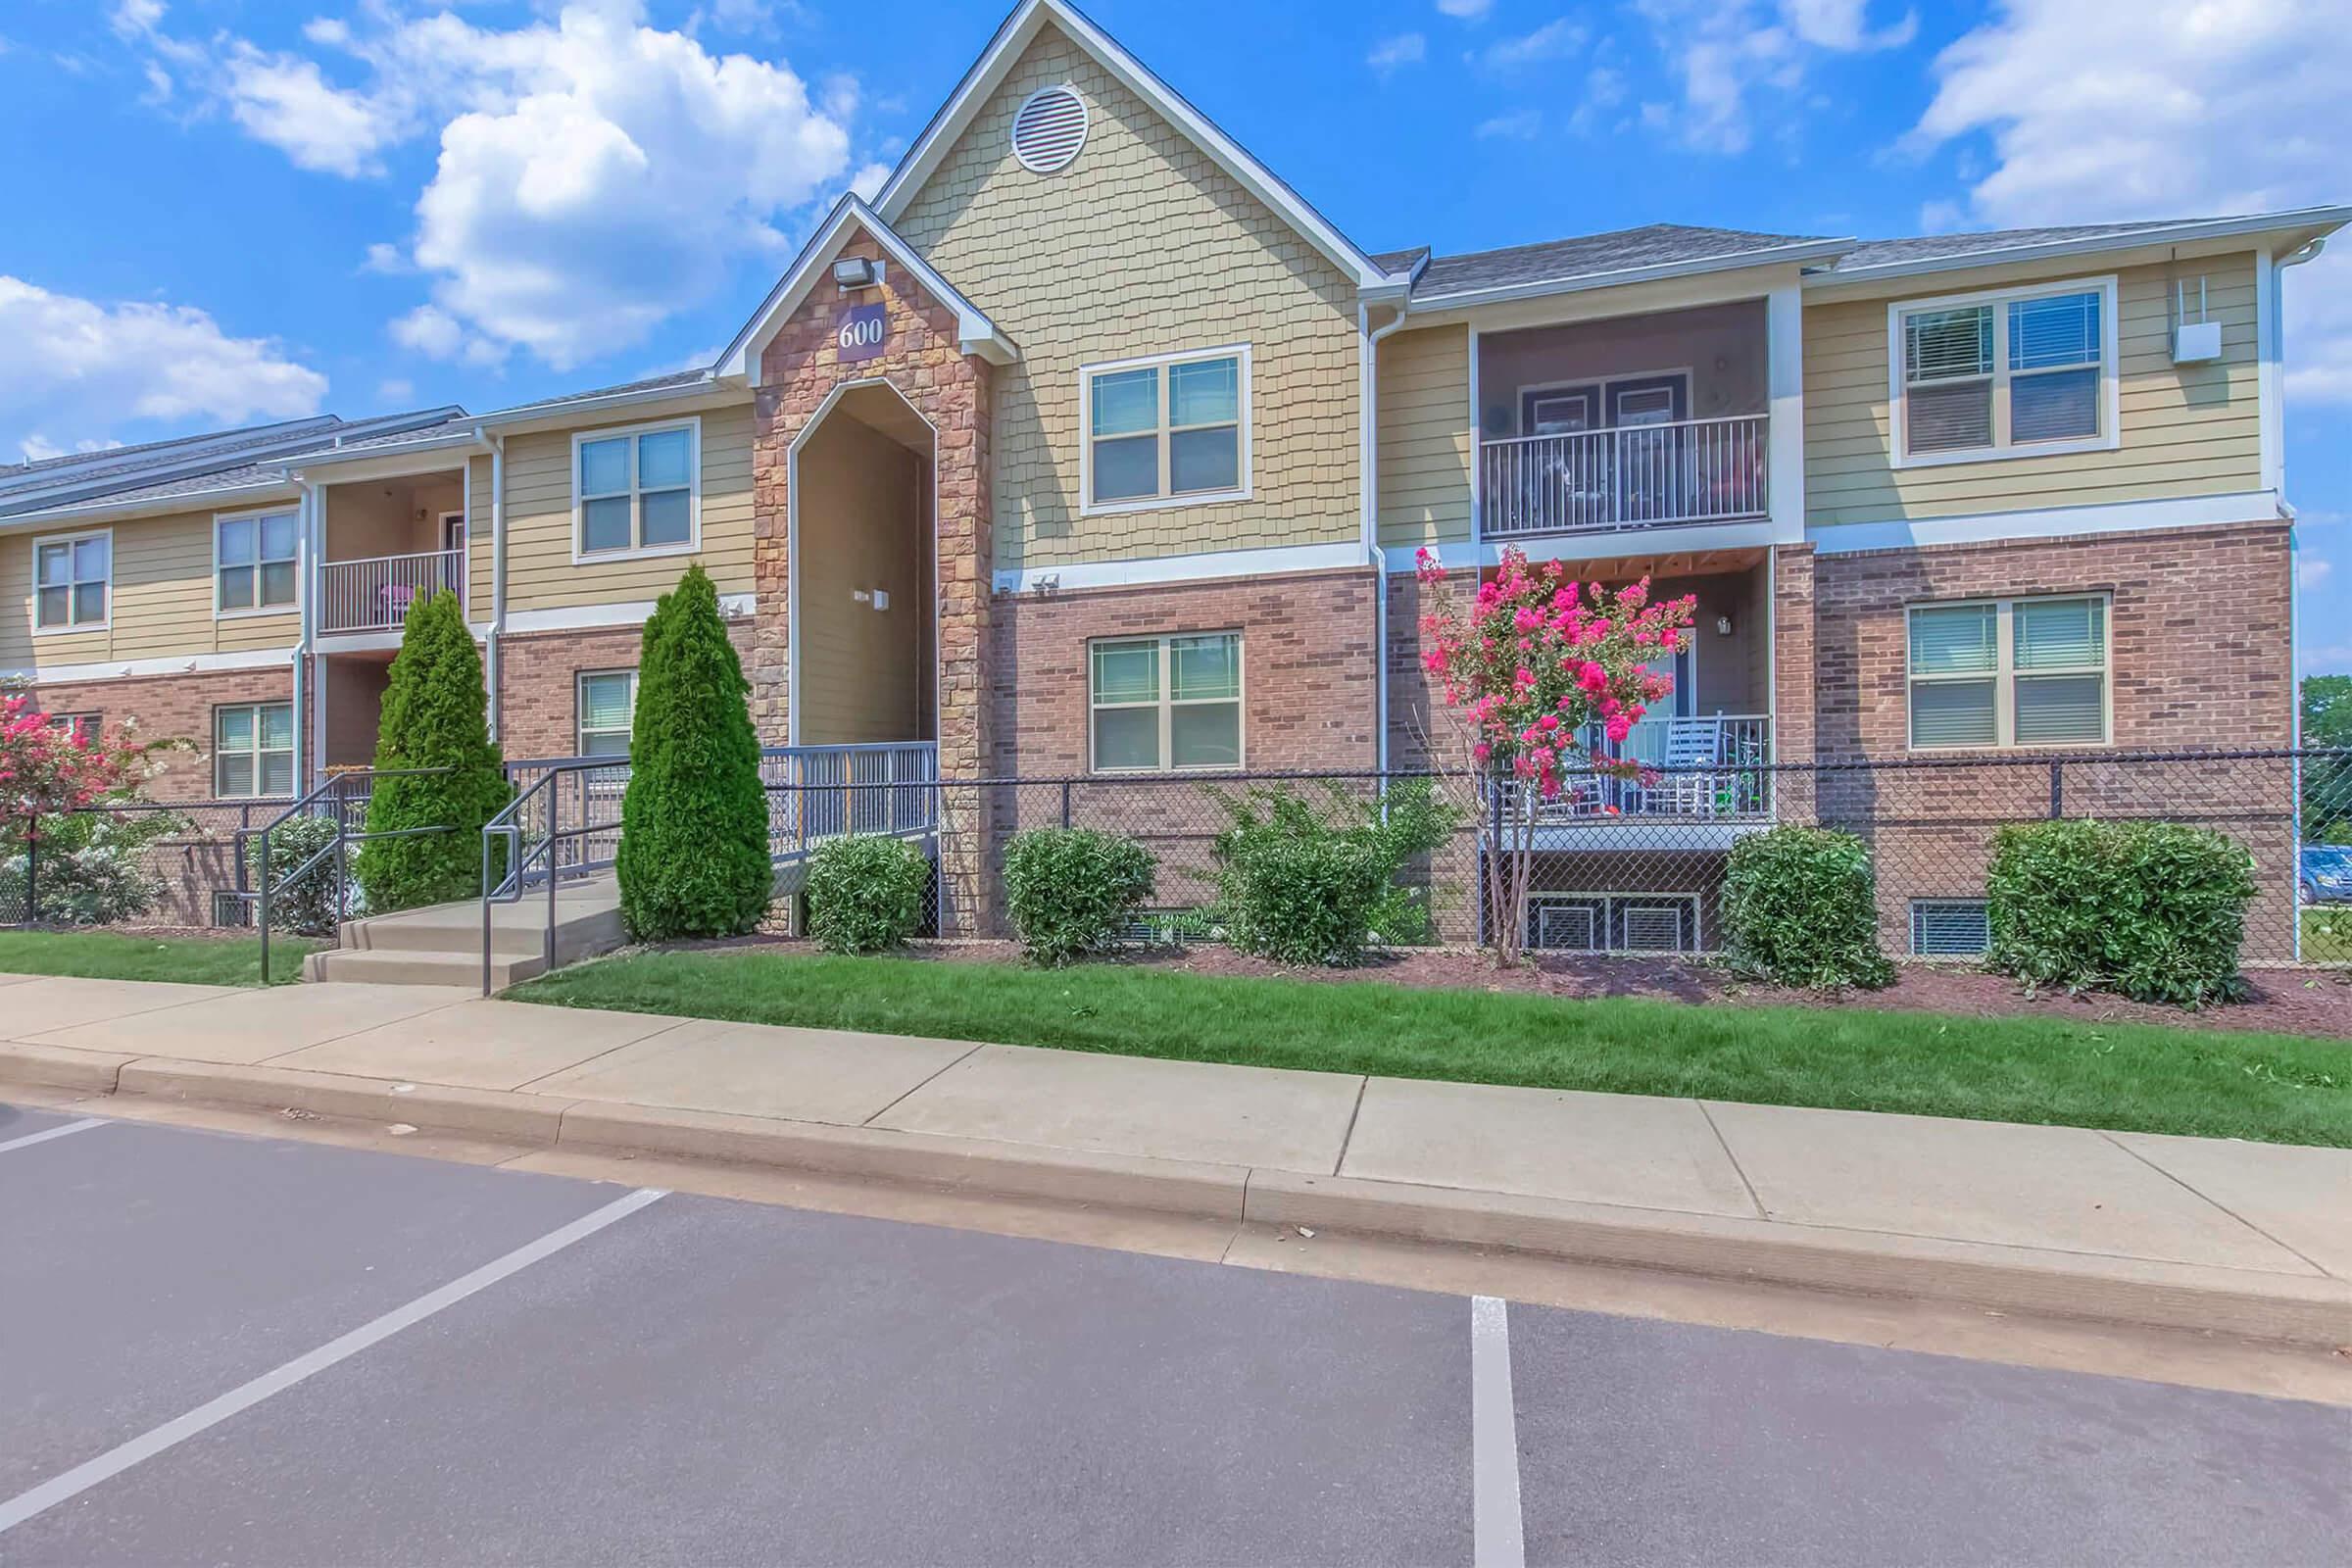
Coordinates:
1800 908
865 892
2153 910
309 906
435 715
693 860
1300 882
93 866
1071 890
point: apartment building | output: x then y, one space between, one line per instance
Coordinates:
1089 447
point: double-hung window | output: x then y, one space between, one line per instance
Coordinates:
1167 703
253 750
1167 430
2010 373
2010 673
72 582
254 564
638 490
606 707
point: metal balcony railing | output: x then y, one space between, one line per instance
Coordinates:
377 593
1632 476
1712 769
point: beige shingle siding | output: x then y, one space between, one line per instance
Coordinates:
1143 246
161 601
2187 429
540 573
1425 443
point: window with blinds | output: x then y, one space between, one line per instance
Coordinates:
2000 375
606 707
2009 673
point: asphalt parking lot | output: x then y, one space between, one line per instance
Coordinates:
227 1350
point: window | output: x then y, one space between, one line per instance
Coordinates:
72 580
2005 374
252 564
1167 430
1949 928
253 750
607 705
638 490
2009 673
85 726
1172 702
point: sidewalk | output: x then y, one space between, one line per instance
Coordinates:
2248 1238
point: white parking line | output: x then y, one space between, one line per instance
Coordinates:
49 1493
1497 1537
70 1128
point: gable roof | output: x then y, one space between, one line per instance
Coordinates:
1594 261
1028 19
1934 253
975 333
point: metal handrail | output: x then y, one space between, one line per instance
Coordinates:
337 788
508 825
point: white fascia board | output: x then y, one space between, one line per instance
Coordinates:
975 333
214 500
150 668
1668 540
632 613
2050 523
1146 571
924 159
562 414
2312 221
469 439
1739 261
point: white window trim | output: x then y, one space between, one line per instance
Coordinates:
258 611
72 627
259 751
1167 703
2005 672
1247 490
693 426
579 708
2110 436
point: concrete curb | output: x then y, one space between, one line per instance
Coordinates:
2297 1309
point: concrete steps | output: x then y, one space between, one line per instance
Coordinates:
442 946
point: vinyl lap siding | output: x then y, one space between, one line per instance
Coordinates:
161 601
1425 440
2187 429
540 571
1142 246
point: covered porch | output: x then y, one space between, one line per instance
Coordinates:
389 545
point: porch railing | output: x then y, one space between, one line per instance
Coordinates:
376 593
1634 476
1709 768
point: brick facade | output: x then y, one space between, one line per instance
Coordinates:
175 707
539 681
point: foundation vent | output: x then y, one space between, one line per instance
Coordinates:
1049 129
1949 928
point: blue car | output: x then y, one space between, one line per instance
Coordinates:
2327 874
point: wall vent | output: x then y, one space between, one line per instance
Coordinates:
1049 129
1949 928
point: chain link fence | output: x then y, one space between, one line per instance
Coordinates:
134 864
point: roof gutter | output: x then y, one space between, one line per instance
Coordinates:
1775 256
564 408
182 501
2329 217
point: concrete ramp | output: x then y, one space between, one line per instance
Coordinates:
442 945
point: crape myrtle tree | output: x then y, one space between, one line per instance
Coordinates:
693 855
435 715
1530 668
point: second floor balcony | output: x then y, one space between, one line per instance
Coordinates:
377 593
1632 476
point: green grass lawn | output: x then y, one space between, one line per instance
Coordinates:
124 956
2328 934
2274 1088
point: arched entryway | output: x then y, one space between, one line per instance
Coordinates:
864 652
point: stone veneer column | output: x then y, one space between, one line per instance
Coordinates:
922 361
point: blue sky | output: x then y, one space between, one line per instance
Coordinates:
357 205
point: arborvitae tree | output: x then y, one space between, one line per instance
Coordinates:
435 715
694 855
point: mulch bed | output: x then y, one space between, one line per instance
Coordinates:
2306 1002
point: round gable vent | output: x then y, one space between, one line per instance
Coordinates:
1049 129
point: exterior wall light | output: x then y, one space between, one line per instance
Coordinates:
1723 625
855 272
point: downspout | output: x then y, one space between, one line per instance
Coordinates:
309 531
498 584
1369 484
2277 351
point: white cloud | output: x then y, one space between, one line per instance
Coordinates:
595 176
869 179
395 389
1552 40
39 449
1524 125
73 371
2162 109
1604 90
384 258
1405 49
2312 572
1723 52
1467 10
